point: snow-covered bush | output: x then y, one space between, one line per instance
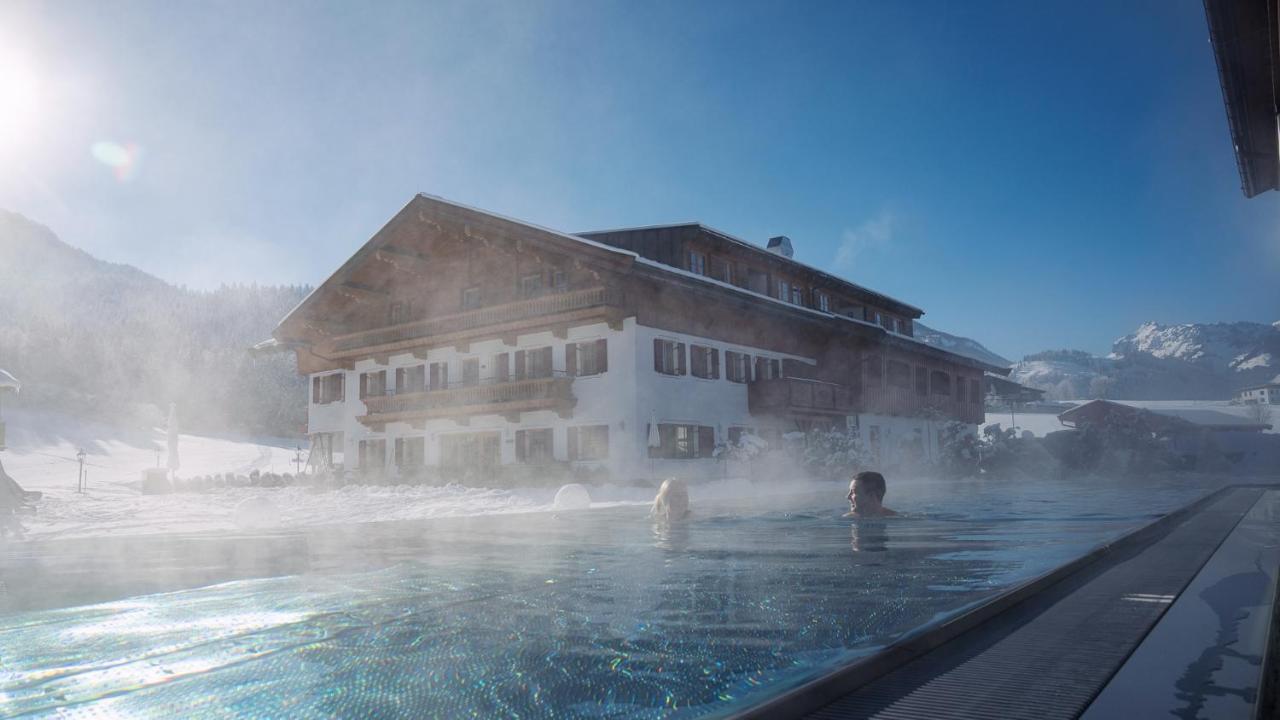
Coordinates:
960 450
835 453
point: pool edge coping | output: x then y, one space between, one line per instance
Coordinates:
829 687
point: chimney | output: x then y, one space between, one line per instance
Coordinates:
780 245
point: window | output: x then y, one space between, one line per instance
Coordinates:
960 388
722 270
697 262
559 279
589 442
472 450
471 297
532 363
737 366
372 455
326 450
922 381
704 362
531 285
797 295
684 442
411 379
534 447
784 290
940 382
438 376
398 312
768 368
757 281
326 389
501 367
873 371
471 371
975 390
895 325
886 322
668 357
898 374
373 384
586 358
875 317
737 431
822 300
410 452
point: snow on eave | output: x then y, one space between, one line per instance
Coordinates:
564 235
9 382
756 248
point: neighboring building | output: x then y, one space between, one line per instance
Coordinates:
1245 36
1003 391
1163 422
1268 394
459 339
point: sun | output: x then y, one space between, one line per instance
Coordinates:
20 101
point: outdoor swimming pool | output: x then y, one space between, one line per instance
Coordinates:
589 614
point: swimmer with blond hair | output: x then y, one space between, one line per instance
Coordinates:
672 502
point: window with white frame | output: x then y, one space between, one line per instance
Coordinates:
697 262
668 357
327 389
586 358
534 447
411 379
737 366
704 362
589 442
410 452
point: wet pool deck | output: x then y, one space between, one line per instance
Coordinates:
1173 619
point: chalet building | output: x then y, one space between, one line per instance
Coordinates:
457 339
1266 394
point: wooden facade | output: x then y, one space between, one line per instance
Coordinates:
443 275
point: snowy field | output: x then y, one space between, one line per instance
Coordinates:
1041 424
41 456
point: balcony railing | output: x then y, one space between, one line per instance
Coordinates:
798 396
544 305
548 393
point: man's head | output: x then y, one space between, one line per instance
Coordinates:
866 493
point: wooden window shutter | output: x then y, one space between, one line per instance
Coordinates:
364 385
315 390
502 367
706 441
681 367
602 355
715 363
342 386
571 359
573 443
657 354
521 436
546 361
519 365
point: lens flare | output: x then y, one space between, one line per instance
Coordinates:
123 159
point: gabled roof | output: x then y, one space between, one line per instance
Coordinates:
1259 387
772 256
1168 419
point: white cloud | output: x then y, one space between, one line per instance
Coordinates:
874 234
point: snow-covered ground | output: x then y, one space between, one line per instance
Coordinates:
41 456
1041 424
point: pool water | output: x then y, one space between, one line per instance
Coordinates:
585 614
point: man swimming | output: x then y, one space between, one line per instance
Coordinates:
866 496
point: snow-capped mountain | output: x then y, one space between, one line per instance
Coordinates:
958 345
1193 361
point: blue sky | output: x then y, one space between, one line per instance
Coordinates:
1034 175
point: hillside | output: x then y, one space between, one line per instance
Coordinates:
958 345
1161 362
111 342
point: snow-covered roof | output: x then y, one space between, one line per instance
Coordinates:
9 382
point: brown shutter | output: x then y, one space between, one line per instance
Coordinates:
342 386
546 361
657 355
520 439
573 443
681 367
602 355
706 441
315 390
364 385
571 359
715 363
520 365
502 367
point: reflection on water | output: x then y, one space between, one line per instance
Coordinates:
594 614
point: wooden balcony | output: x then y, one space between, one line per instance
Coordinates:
800 397
460 403
553 311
